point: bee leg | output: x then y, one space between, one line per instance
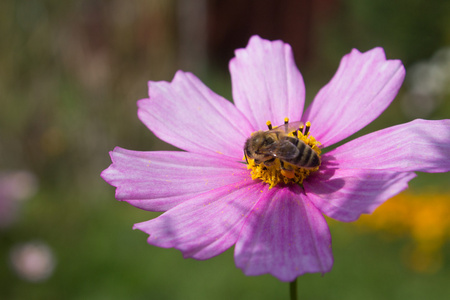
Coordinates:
285 171
269 162
245 155
284 166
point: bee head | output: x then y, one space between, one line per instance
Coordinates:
257 142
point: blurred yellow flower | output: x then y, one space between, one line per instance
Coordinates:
423 218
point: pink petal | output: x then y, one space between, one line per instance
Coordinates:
346 194
266 83
206 225
420 145
188 115
285 235
160 180
362 88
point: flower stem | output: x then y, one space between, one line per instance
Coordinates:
293 289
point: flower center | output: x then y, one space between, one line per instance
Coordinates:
284 154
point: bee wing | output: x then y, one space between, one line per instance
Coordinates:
289 127
284 150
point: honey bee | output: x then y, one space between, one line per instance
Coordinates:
266 146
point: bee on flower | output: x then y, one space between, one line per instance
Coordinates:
263 189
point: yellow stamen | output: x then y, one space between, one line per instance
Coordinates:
308 125
300 129
269 124
286 120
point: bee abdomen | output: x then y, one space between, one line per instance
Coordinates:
306 158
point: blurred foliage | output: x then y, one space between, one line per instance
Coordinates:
71 74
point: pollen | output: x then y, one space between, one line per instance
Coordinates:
282 172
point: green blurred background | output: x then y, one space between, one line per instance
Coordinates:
70 75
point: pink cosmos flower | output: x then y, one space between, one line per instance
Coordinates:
207 192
